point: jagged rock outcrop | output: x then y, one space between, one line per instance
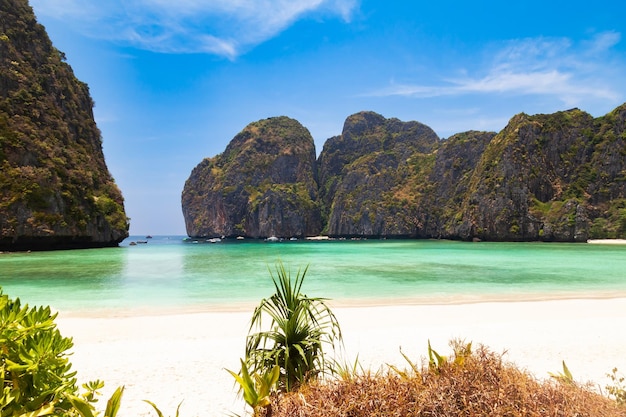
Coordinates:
449 180
549 177
367 176
554 177
263 185
55 189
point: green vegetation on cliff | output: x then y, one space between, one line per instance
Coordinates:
55 188
551 177
264 184
370 176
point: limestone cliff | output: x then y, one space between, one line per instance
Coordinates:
55 189
448 182
367 176
263 185
554 177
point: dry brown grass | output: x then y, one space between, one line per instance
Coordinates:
481 385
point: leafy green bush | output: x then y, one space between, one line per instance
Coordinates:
35 371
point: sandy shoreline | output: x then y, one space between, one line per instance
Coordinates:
181 357
607 241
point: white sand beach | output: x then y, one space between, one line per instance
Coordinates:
607 241
181 357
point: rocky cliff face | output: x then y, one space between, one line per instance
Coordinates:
449 181
555 177
550 177
55 189
367 176
263 185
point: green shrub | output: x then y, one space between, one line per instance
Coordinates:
35 371
299 327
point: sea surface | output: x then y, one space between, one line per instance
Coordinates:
172 274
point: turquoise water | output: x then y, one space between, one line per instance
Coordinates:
169 274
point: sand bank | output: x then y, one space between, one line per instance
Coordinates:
607 241
181 357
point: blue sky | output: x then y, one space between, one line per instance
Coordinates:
175 81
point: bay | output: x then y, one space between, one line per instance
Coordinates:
170 274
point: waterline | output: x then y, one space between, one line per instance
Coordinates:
168 274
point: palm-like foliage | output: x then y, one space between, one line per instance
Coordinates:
256 388
299 327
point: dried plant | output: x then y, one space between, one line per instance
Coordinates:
470 383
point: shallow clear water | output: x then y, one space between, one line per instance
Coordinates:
169 274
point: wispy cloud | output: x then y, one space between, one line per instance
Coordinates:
551 67
221 27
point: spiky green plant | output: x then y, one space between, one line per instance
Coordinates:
84 405
299 327
159 412
346 371
564 377
257 388
435 360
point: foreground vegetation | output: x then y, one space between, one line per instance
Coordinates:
289 353
469 383
285 373
35 372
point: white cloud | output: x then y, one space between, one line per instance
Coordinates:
550 67
221 27
550 82
604 41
